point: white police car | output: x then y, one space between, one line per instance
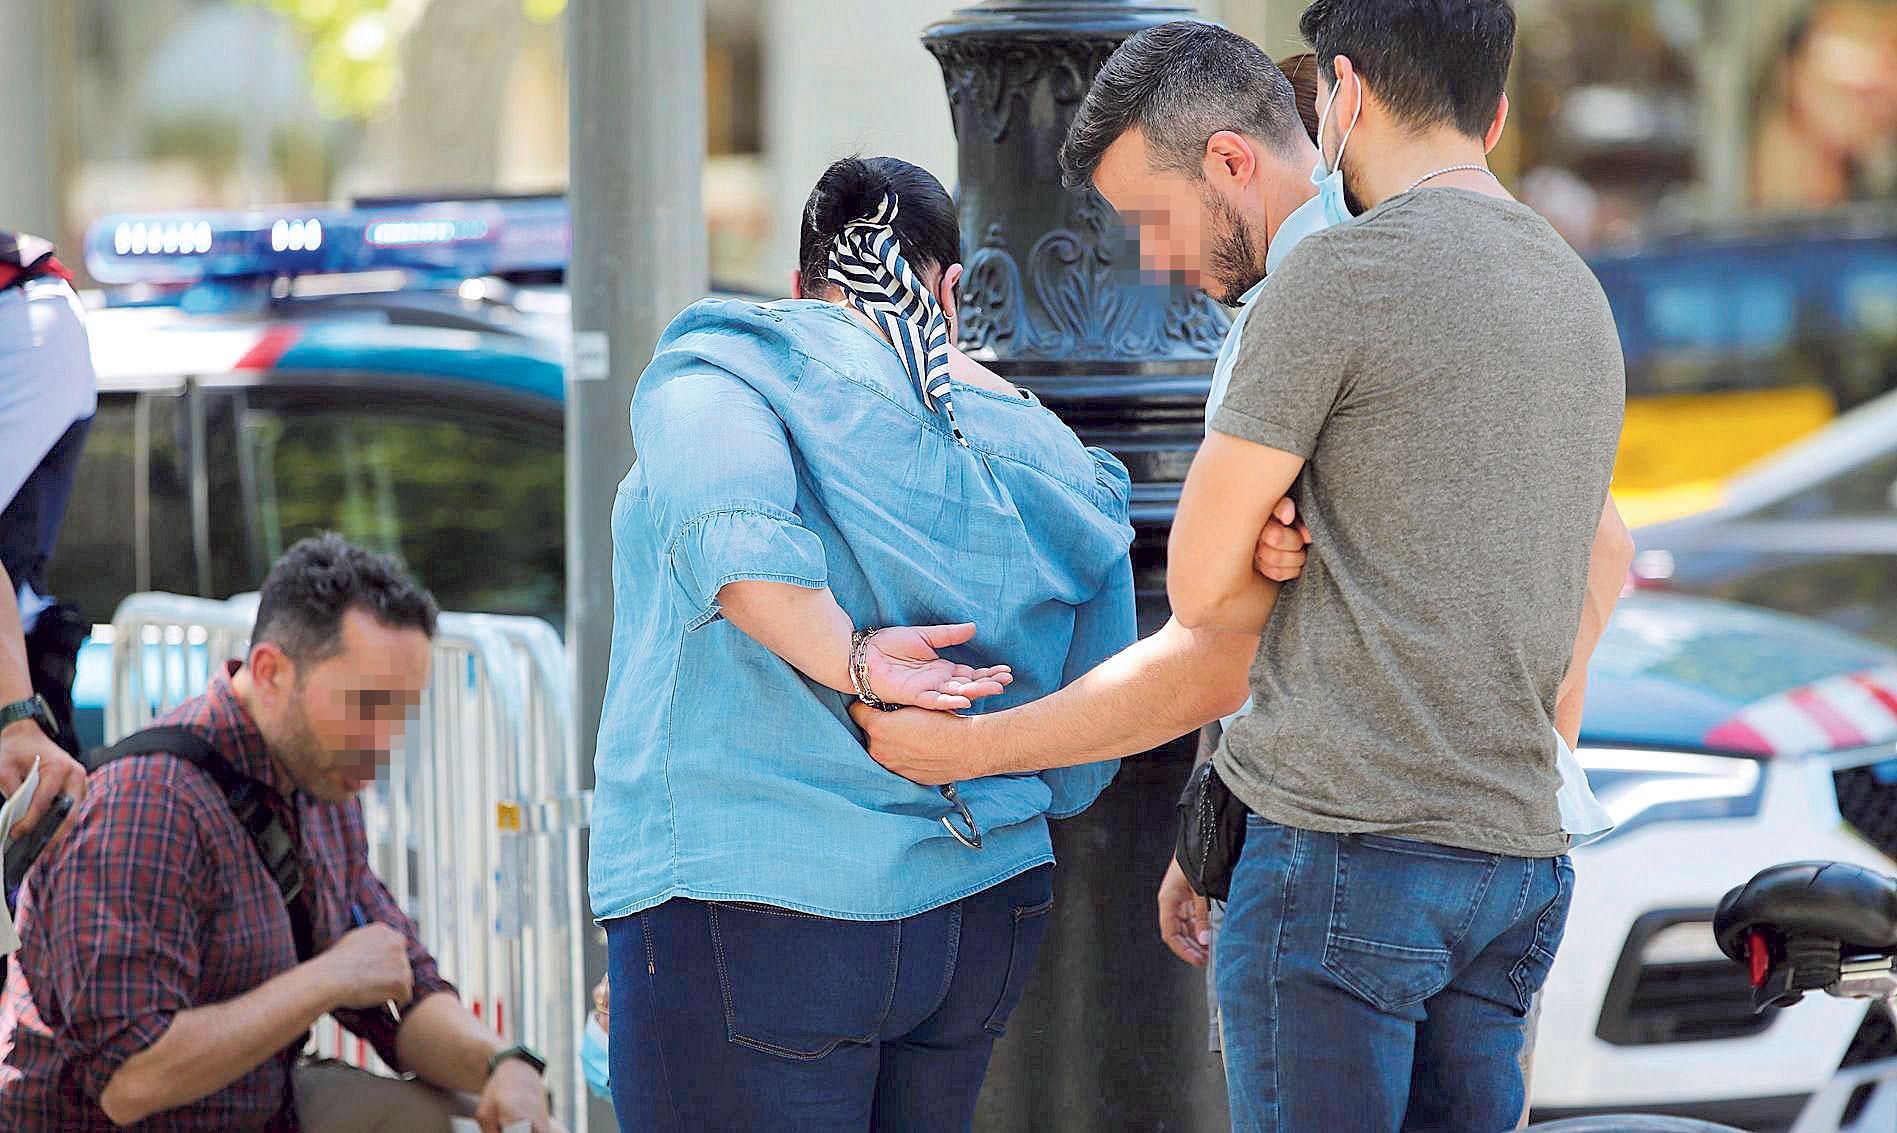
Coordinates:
1724 740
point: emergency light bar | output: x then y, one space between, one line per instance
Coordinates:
452 240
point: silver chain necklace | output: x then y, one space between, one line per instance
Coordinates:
1471 168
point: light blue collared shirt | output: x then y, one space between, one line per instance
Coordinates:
1228 353
786 442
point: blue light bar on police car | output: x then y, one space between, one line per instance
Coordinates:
414 233
449 240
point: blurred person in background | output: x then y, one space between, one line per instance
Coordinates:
1569 203
1827 121
47 399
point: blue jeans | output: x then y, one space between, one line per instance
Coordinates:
748 1017
1377 984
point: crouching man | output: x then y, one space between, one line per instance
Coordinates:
213 900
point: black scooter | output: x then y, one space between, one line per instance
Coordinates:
1798 928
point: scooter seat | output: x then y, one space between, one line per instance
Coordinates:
1820 901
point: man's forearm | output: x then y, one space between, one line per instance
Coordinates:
16 676
1612 554
1568 712
1212 580
1242 606
207 1048
443 1044
1156 690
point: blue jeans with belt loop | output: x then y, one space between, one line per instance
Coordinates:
746 1017
1371 984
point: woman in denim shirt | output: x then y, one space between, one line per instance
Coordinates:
800 939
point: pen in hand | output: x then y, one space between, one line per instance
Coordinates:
360 919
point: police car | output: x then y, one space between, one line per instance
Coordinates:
1722 739
393 370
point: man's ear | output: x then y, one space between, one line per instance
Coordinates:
1230 156
1494 135
1347 97
270 667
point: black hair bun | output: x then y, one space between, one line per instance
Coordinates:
854 189
850 189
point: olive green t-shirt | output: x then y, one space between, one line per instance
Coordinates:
1450 370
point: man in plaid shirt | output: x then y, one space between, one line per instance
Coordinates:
159 980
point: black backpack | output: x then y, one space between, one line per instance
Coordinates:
249 802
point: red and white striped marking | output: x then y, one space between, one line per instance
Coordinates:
1855 710
332 1041
132 344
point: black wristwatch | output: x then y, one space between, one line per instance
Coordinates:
521 1052
32 708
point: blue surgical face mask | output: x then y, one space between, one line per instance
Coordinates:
1329 181
594 1059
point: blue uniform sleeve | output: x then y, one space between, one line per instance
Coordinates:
722 487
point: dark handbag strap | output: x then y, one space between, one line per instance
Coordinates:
249 800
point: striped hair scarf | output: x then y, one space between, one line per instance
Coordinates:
867 263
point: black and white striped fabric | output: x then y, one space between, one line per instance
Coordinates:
867 263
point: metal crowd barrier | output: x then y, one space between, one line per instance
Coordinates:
475 828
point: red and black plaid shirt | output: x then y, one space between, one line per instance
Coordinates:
155 902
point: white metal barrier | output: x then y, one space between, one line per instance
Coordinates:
475 828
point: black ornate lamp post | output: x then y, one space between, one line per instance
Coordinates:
1050 278
1112 1032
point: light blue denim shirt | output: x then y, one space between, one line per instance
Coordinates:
786 442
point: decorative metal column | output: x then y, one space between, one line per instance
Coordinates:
1112 1032
1050 277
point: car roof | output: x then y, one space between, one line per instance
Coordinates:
145 348
465 288
1863 434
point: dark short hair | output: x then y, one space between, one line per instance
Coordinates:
850 189
1180 83
1431 62
317 581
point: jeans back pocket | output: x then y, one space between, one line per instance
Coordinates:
797 985
1399 910
1029 926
